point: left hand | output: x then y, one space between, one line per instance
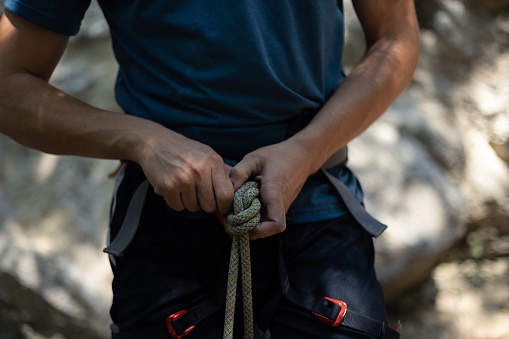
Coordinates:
281 169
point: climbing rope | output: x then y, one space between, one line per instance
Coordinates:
245 216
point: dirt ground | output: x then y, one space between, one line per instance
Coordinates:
463 300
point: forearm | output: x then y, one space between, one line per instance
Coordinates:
366 93
187 174
39 116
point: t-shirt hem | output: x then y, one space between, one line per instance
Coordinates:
313 216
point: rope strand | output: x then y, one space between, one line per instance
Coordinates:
245 216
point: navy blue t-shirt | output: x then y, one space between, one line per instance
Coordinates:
231 74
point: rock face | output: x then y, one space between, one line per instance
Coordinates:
434 168
435 165
53 221
54 278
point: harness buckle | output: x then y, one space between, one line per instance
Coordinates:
341 313
172 318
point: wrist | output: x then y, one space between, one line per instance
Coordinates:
314 150
309 153
137 140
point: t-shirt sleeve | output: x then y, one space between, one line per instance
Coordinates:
61 16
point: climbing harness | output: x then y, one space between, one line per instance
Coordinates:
330 311
246 216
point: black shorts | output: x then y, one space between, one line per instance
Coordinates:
174 262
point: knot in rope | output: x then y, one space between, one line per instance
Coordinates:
246 209
245 216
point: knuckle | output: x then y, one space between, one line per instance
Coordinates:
197 170
225 193
162 189
215 158
206 160
238 173
183 179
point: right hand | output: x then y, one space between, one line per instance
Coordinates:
187 174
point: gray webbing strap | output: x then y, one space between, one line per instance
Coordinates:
130 225
132 219
370 224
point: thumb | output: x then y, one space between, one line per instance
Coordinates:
273 219
241 172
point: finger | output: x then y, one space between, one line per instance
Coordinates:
241 172
223 189
228 168
190 199
267 229
273 219
252 236
171 196
205 192
175 202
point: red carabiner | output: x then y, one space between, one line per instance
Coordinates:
172 318
341 314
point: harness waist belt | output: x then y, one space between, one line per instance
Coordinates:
135 208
